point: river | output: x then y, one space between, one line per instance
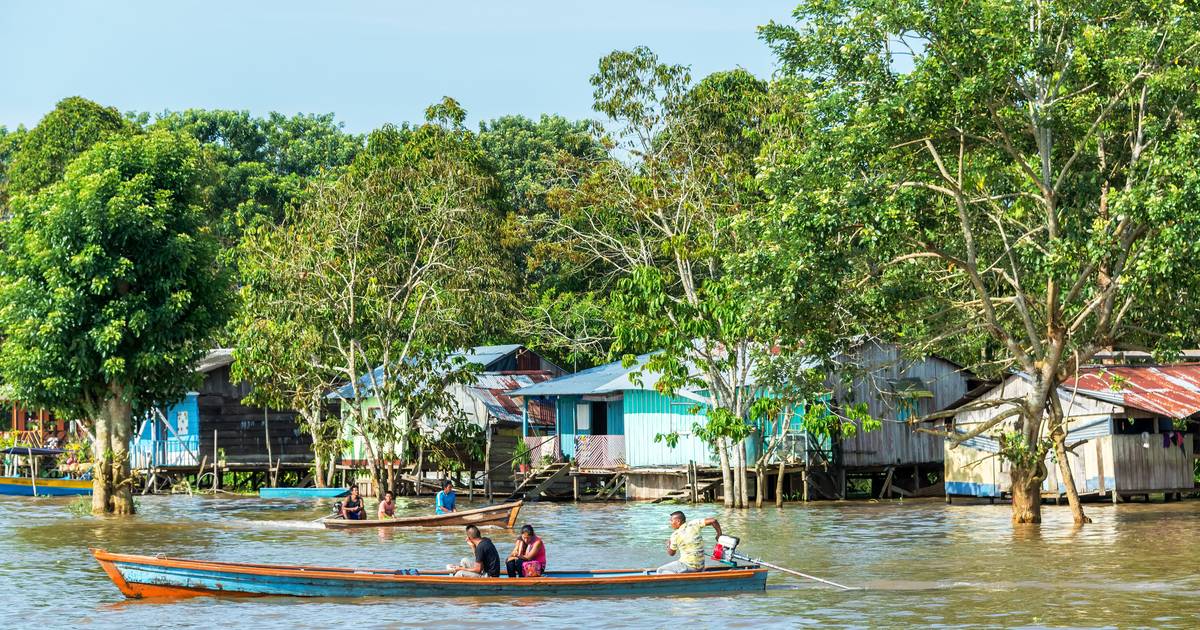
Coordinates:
923 563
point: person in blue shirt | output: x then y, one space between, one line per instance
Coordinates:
444 503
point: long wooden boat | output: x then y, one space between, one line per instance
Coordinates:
503 515
153 577
302 493
39 486
24 486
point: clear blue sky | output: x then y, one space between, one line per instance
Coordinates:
367 62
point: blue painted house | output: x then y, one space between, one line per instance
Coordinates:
608 420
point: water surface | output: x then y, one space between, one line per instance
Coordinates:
923 564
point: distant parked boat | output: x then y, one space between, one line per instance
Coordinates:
146 576
40 486
302 493
503 515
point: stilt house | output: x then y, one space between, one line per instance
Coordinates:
214 424
486 402
1131 430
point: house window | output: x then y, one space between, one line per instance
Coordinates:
583 416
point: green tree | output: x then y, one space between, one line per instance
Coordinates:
71 128
1010 181
391 267
261 166
660 218
109 292
10 143
564 296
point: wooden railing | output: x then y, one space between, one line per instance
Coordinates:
599 452
542 447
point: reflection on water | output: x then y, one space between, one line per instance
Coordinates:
922 563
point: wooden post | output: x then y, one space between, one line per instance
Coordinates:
916 479
471 487
216 459
804 482
575 486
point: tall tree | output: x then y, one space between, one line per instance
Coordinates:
659 218
109 291
1012 181
71 128
261 165
392 266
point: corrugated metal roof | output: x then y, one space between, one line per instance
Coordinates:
494 390
482 356
609 377
216 358
486 355
1166 390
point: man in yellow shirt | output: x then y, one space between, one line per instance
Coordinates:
687 542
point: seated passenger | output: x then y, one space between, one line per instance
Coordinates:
444 501
528 557
387 507
487 559
352 507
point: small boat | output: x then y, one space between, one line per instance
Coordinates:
302 493
146 577
502 515
39 486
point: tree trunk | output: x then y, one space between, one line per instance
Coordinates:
760 478
1064 470
102 466
744 480
739 471
726 474
1027 493
120 428
318 470
779 482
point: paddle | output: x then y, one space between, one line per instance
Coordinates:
727 544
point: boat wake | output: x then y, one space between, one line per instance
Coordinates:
249 524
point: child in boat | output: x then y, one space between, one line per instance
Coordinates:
487 559
688 543
444 502
387 507
528 557
352 507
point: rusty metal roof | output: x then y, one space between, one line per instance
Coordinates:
494 389
1166 390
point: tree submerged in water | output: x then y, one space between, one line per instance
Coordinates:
110 291
1012 181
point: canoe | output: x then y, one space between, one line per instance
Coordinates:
503 515
154 577
302 493
23 486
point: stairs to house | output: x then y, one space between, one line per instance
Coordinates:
540 481
684 494
610 489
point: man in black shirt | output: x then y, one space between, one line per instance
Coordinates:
487 559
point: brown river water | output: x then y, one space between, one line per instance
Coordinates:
922 564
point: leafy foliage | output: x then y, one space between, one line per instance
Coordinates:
109 277
71 128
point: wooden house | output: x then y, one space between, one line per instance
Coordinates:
1131 431
486 403
896 390
212 423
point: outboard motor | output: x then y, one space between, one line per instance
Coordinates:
337 510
